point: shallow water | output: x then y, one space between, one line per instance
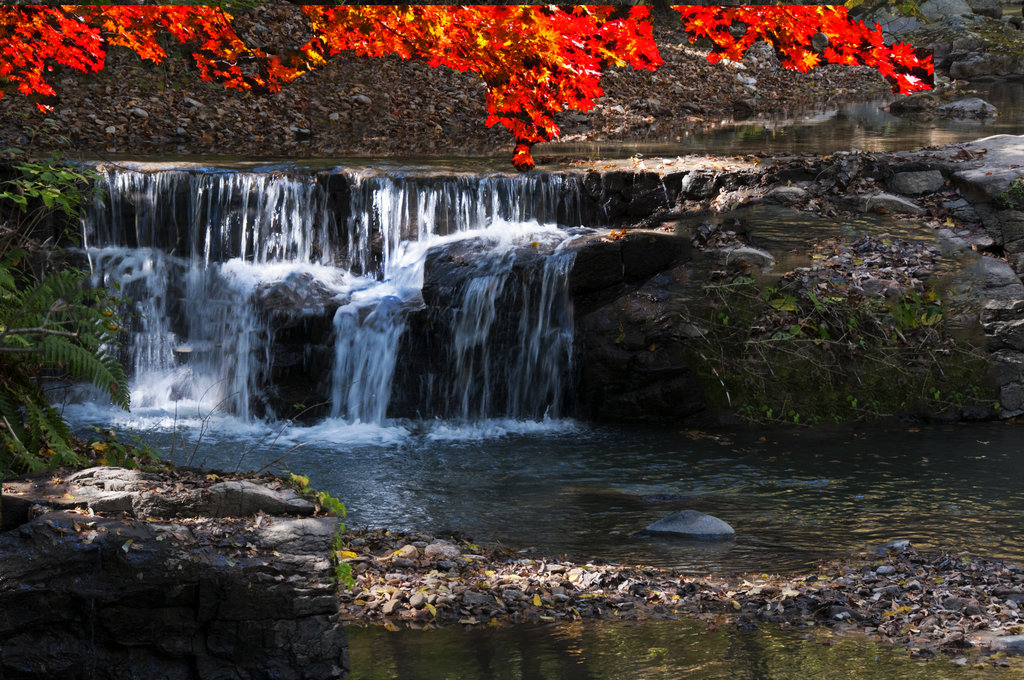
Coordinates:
794 497
863 126
666 649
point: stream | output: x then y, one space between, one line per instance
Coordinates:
214 257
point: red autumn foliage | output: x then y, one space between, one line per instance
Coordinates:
536 60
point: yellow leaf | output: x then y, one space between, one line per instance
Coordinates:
536 601
212 477
99 447
432 609
346 555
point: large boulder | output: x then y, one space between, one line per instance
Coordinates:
971 107
99 598
691 524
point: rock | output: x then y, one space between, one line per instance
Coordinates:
885 570
743 256
937 10
110 129
995 278
310 535
472 598
362 99
193 103
1001 163
442 549
892 23
786 195
645 253
881 203
690 524
139 494
971 107
986 8
1011 644
407 551
418 600
899 545
917 183
108 598
139 112
918 104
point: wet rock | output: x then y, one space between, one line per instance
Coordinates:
972 107
917 183
937 10
880 202
745 257
1011 644
690 524
899 545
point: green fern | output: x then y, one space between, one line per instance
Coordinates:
52 325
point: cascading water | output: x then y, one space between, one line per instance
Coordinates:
230 273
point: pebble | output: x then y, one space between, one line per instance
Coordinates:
885 569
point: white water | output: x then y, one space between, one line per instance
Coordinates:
200 253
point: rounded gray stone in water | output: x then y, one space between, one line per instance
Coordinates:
691 524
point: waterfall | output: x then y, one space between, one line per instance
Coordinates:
250 290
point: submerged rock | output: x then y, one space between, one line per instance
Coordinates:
691 524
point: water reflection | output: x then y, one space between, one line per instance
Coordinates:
611 651
862 125
794 497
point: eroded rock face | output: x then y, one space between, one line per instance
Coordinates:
94 598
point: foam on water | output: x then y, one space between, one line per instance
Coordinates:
200 252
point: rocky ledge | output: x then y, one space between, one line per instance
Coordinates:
115 573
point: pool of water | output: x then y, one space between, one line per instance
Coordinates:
662 650
864 126
562 488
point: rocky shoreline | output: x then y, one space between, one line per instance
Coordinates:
90 590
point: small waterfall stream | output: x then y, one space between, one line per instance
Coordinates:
247 288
